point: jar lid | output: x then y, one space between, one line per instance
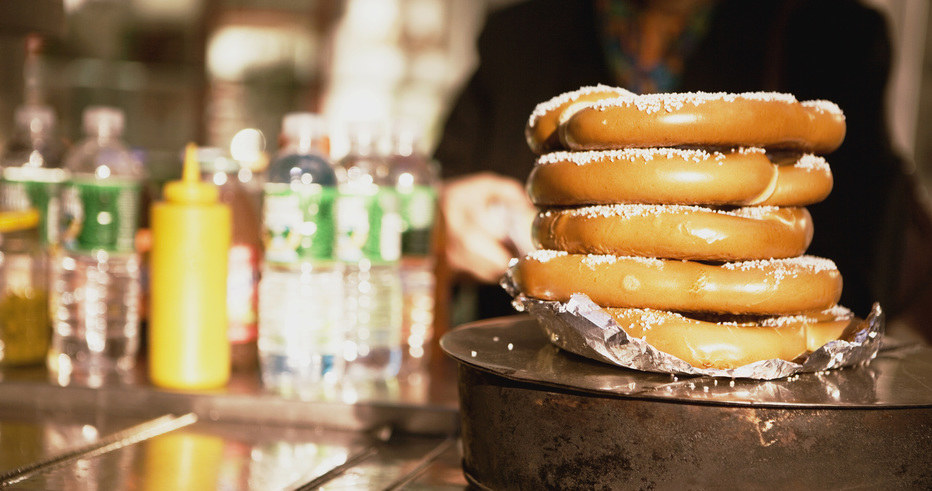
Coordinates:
12 221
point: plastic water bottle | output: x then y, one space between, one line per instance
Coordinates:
96 278
416 179
300 293
369 245
32 176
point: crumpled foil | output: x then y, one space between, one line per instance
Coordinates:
580 326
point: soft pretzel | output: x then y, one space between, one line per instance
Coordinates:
676 232
742 176
759 119
726 343
801 180
761 287
541 129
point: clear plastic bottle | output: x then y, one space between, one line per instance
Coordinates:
416 180
96 278
300 293
32 176
369 245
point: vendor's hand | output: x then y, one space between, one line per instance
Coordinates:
488 221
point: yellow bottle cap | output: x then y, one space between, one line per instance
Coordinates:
12 221
190 189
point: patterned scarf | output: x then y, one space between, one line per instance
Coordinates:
645 67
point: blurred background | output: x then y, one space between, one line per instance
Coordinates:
223 73
204 69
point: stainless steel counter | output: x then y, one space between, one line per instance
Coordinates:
133 436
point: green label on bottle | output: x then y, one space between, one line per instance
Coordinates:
418 215
369 226
101 214
39 188
298 222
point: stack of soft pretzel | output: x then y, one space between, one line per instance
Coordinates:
683 216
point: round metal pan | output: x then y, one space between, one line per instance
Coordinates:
536 417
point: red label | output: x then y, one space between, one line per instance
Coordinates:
242 293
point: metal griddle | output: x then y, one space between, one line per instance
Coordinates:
534 417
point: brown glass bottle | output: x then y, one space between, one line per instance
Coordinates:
239 193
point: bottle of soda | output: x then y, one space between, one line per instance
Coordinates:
32 174
96 278
369 246
416 180
234 184
300 293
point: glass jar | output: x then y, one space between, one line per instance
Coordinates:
24 311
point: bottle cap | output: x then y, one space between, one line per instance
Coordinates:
371 129
308 132
214 159
405 136
365 135
12 221
295 125
103 121
35 117
190 189
406 127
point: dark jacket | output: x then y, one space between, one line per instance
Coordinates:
820 49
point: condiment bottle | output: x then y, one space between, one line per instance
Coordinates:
32 176
188 343
24 328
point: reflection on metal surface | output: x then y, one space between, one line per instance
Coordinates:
21 443
422 465
113 442
373 390
182 460
280 465
403 461
335 472
516 348
243 457
421 402
244 439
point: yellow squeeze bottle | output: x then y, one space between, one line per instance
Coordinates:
188 343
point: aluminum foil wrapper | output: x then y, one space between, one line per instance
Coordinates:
580 326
